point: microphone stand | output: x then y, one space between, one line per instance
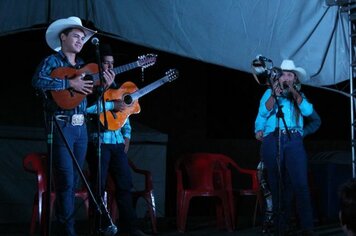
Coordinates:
100 99
47 213
279 115
111 229
47 220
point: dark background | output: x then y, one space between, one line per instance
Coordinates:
206 98
208 108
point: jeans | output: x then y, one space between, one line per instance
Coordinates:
65 172
115 161
287 175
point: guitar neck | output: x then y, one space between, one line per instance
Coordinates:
119 69
123 68
145 90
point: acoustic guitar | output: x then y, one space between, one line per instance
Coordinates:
129 94
69 99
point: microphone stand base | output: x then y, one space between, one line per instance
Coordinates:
111 230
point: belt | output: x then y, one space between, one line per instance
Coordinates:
284 131
75 120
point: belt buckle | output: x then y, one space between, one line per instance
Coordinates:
62 117
77 119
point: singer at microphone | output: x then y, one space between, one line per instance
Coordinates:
60 36
279 124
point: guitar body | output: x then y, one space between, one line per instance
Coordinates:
117 119
69 99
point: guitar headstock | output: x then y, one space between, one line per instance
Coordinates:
172 74
145 61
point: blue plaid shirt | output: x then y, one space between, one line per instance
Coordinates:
43 81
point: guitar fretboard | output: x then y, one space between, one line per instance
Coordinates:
119 69
141 92
126 67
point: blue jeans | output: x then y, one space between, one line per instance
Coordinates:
65 172
115 161
288 176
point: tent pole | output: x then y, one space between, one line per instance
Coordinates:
352 65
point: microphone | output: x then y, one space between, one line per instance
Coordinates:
95 41
262 58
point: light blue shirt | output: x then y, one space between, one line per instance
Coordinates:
267 121
110 136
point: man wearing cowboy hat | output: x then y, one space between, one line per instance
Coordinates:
279 125
66 37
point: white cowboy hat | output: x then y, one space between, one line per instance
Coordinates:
56 27
288 65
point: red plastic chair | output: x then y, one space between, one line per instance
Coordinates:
199 175
146 194
232 179
37 163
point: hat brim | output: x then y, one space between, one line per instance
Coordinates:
301 74
53 31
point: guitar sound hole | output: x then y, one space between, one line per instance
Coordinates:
127 99
88 77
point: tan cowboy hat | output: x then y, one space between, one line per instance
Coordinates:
56 27
288 65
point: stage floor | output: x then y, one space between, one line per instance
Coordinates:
167 227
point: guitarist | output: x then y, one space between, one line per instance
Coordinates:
114 159
66 37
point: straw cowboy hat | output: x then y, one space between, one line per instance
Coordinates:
56 27
288 65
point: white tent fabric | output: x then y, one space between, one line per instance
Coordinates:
229 33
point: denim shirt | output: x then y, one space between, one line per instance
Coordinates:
43 82
267 121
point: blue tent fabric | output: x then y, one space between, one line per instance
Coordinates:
229 33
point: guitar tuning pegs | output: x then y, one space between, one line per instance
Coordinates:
172 74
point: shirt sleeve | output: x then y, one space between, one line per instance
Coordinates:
306 108
263 113
42 78
259 122
262 108
126 129
93 109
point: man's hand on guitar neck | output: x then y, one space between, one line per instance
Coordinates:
109 77
80 85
